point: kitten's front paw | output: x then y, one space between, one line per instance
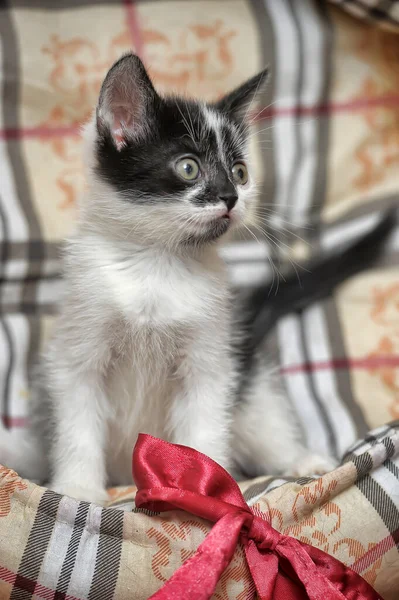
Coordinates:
94 495
312 464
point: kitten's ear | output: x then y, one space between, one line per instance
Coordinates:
237 102
126 102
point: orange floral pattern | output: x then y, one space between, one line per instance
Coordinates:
175 539
198 60
385 313
378 153
9 482
315 519
305 522
356 550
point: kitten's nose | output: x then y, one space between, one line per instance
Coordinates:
229 198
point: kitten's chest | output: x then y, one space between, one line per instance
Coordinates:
157 291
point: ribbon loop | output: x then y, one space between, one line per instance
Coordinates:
170 476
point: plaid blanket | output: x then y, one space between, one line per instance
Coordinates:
58 548
326 154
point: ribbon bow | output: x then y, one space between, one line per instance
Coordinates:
171 477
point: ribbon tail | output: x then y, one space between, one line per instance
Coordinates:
199 575
264 570
318 586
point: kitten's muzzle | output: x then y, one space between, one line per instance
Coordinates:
227 192
230 199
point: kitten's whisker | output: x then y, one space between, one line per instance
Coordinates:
268 214
252 233
284 230
264 108
272 239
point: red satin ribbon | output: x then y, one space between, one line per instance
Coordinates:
176 477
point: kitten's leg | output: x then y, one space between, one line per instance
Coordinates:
199 416
266 436
77 453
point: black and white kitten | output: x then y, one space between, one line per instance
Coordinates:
143 342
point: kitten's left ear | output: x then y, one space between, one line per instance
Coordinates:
237 102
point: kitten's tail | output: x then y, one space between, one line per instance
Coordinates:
317 282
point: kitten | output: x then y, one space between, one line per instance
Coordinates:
143 342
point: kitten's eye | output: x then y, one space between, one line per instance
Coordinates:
188 169
240 173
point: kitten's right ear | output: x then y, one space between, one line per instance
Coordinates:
126 101
237 102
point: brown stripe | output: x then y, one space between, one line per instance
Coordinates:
35 335
9 369
260 487
36 547
108 555
4 242
342 376
17 250
30 309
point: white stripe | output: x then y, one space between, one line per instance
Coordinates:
288 331
16 222
58 545
287 64
49 291
245 251
313 40
250 274
19 330
85 562
324 381
248 263
388 482
334 237
15 268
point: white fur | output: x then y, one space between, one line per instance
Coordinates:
142 342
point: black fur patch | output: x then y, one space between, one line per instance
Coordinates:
143 170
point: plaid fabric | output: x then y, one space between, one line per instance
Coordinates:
62 548
384 12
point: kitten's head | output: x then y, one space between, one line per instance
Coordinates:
167 169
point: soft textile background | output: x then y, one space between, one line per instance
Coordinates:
326 153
